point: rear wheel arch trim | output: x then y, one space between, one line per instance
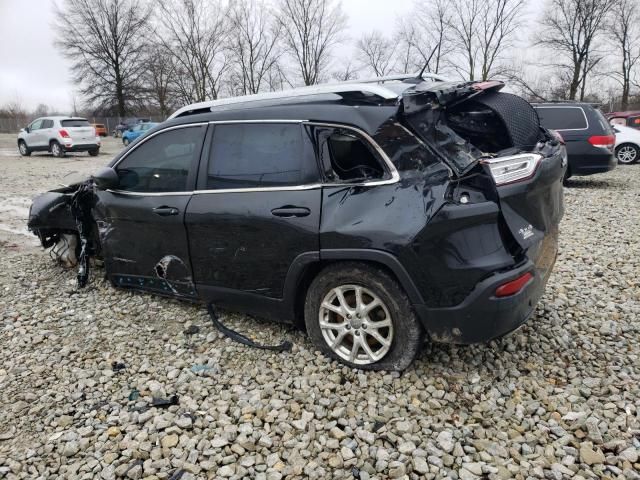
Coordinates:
306 266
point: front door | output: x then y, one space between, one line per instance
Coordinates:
141 223
256 209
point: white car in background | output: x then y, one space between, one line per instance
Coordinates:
627 148
59 135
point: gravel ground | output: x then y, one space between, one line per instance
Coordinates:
558 399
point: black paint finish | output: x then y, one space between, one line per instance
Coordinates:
257 250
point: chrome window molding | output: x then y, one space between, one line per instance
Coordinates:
393 172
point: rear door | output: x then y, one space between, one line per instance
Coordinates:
80 131
141 223
256 209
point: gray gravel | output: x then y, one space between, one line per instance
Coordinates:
558 399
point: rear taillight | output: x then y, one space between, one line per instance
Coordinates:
513 286
64 134
513 168
603 141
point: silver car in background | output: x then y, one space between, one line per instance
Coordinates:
59 135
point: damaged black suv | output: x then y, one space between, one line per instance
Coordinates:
372 213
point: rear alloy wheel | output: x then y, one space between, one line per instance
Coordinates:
359 315
24 150
57 150
627 153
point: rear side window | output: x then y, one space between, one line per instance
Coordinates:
344 156
163 162
47 124
602 121
634 122
255 155
562 118
76 122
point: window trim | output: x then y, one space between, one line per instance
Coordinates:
142 142
391 169
586 120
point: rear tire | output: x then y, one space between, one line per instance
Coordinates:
352 289
57 150
24 150
94 153
125 142
627 153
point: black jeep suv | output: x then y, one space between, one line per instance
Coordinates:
373 212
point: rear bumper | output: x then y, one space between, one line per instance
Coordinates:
593 161
482 316
81 147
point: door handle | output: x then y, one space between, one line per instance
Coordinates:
289 211
165 211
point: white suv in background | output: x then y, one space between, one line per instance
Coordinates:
59 135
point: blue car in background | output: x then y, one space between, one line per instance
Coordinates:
136 131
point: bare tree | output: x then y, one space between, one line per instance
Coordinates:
311 28
254 45
377 53
41 110
482 30
105 41
345 72
624 31
423 37
159 79
570 30
194 33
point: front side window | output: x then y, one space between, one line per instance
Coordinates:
37 125
254 155
562 118
345 156
163 162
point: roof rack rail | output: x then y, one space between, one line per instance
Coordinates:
367 86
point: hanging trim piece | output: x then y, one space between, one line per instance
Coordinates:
238 337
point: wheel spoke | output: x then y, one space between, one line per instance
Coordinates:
379 338
332 326
354 348
338 339
370 306
368 351
380 324
343 302
333 308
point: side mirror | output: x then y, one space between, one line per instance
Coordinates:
26 129
131 129
106 178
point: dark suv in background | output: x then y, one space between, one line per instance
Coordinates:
373 212
587 134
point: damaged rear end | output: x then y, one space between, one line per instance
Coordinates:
505 200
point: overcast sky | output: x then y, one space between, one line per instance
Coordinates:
33 71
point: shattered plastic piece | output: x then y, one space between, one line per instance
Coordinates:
118 366
192 330
134 395
164 402
377 425
177 475
201 368
238 337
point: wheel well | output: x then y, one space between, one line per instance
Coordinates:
312 270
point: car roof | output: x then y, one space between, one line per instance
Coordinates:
365 104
